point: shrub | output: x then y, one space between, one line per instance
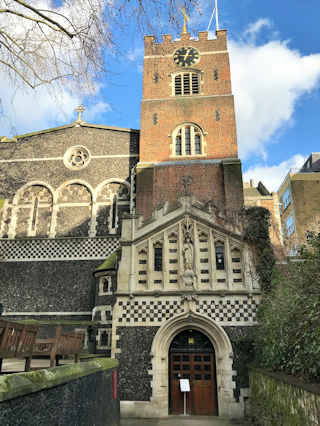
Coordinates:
288 335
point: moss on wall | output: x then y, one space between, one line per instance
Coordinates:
14 385
277 400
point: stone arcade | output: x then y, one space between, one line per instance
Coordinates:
141 232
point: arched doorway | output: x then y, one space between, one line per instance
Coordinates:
160 350
192 357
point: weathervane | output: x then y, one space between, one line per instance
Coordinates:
185 20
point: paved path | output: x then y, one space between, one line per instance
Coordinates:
184 421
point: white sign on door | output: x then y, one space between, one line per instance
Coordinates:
184 385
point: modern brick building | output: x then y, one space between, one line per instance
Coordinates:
299 196
141 232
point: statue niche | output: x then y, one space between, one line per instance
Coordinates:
188 276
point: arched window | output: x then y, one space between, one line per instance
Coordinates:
157 257
187 140
220 262
34 210
74 210
113 199
187 83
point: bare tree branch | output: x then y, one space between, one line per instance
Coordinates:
46 18
66 44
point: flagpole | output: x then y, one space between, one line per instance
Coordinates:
217 15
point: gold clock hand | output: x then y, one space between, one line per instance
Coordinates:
186 55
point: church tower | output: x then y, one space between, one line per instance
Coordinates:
188 124
186 283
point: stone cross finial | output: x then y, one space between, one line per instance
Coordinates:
80 109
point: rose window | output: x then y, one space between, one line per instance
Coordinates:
77 157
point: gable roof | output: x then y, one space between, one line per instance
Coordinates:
164 217
67 126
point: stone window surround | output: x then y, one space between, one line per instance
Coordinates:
191 74
77 151
103 309
102 281
213 236
101 331
186 71
174 134
55 204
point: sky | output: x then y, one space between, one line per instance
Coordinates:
275 70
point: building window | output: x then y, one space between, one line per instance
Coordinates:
286 198
77 157
155 118
188 141
187 84
290 226
105 286
220 256
217 115
158 258
216 74
143 265
104 338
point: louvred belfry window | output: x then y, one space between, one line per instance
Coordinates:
188 140
187 84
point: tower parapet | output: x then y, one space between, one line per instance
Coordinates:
203 42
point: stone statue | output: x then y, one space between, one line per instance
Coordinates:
188 253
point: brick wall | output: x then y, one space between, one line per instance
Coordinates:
306 195
215 95
217 182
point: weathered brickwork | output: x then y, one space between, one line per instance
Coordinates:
214 98
219 136
218 182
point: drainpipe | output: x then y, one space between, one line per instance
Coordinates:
133 215
132 252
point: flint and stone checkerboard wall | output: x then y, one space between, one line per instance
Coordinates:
228 310
37 249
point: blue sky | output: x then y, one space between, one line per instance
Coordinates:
275 64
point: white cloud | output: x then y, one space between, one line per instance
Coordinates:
135 54
94 110
267 82
257 26
272 176
27 110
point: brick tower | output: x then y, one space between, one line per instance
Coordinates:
188 124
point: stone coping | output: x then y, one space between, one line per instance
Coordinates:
53 322
19 384
289 380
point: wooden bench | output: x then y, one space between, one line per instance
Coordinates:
65 343
16 341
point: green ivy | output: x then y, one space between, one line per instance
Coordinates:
256 234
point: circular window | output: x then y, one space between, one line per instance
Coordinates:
76 157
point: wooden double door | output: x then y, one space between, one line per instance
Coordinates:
199 368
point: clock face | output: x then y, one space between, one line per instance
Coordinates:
186 56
